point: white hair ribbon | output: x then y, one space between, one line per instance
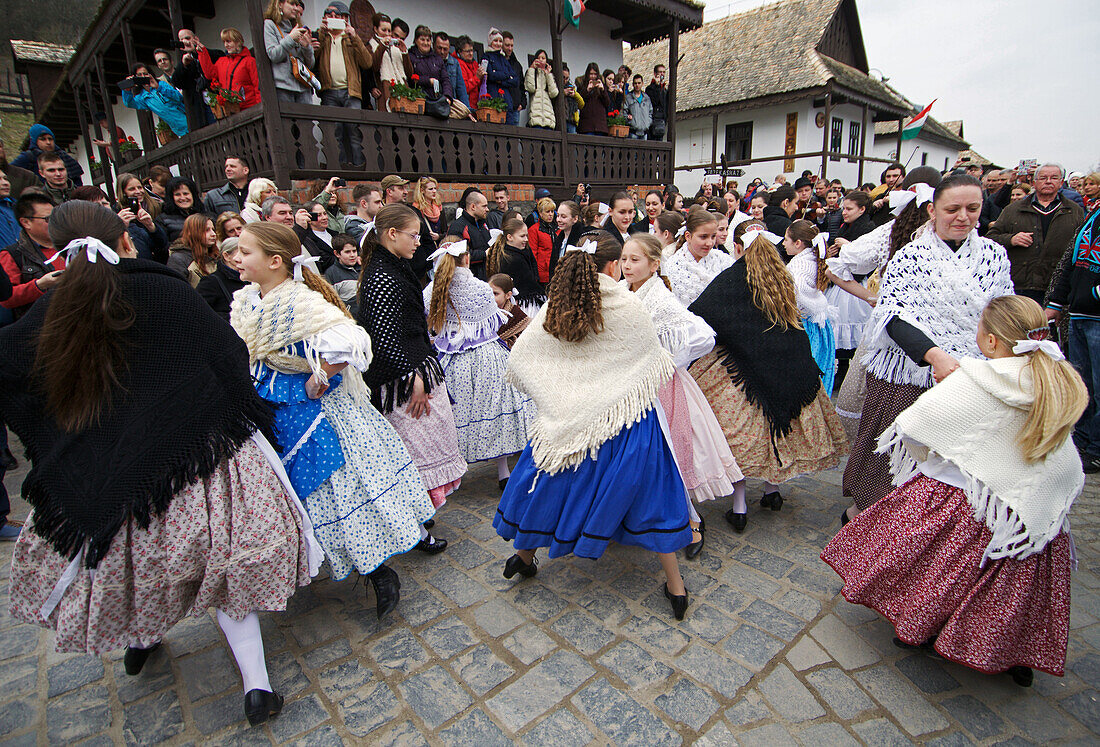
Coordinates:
821 242
751 236
93 246
494 234
588 247
682 231
920 192
367 228
1050 347
602 208
455 249
305 258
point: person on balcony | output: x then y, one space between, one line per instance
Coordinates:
573 101
290 47
142 91
539 82
429 68
593 118
189 80
657 90
505 76
236 71
639 110
473 74
391 65
441 44
341 76
41 140
614 91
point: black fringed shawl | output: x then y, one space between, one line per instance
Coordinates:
185 404
775 369
391 309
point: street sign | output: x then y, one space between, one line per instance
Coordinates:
724 172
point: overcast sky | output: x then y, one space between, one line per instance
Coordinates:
1024 76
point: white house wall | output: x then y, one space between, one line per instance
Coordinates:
917 152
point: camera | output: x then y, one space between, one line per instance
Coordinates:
133 204
340 183
139 81
176 44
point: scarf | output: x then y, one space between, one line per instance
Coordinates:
972 419
472 316
940 292
673 322
184 404
774 368
391 309
431 211
689 277
587 392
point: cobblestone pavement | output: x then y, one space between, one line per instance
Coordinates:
585 652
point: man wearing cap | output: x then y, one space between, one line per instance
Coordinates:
394 189
533 217
42 141
341 75
471 226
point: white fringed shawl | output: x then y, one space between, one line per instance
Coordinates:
688 276
472 317
812 303
940 292
681 333
587 392
972 420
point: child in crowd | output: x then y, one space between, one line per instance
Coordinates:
971 554
509 254
510 331
344 273
806 247
695 263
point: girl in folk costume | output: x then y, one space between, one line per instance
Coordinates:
361 489
706 462
778 426
405 378
855 273
971 555
695 263
154 487
668 225
517 321
598 468
925 319
509 254
806 248
463 319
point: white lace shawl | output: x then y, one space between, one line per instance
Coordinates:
472 316
864 255
690 277
812 303
683 334
940 292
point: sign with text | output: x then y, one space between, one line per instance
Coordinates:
790 141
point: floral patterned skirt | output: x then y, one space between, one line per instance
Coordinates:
915 557
433 443
233 541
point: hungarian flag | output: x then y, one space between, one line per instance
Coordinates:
914 126
573 10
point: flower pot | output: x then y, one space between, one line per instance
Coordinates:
165 136
618 130
488 114
415 106
221 111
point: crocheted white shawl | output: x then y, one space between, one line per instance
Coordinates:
864 255
972 419
688 276
812 303
587 392
940 292
677 328
472 316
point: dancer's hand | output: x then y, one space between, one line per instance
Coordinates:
420 401
943 364
315 388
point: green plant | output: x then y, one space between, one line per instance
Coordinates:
402 91
221 96
616 117
128 145
493 103
162 126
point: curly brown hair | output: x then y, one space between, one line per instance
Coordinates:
771 285
574 306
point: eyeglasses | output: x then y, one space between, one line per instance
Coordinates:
38 217
415 236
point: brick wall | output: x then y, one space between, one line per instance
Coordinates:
449 192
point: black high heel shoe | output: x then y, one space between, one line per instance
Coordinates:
1022 676
679 603
387 589
515 565
737 521
431 545
135 658
691 552
772 500
260 705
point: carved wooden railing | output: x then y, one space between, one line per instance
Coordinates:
602 160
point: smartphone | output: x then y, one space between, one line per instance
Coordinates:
336 24
484 66
340 182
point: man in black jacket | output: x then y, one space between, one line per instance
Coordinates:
188 78
781 206
658 96
471 226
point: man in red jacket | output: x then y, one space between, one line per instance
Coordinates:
32 264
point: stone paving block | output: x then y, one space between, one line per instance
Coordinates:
16 715
538 602
420 608
881 733
799 605
772 735
370 708
657 634
748 709
926 674
624 720
286 674
29 739
605 607
481 669
73 674
434 695
749 582
468 554
452 516
636 667
840 693
687 703
854 614
78 714
568 580
822 584
497 617
528 644
582 632
790 697
559 728
1085 708
326 736
18 676
954 739
208 673
768 540
752 647
774 620
298 717
847 649
449 636
541 688
718 736
399 652
832 735
915 714
218 713
713 670
154 720
325 655
726 599
404 734
17 640
1033 716
458 587
635 584
763 561
1087 667
339 681
155 676
706 622
806 654
475 728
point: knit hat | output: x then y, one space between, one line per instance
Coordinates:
542 192
339 7
37 131
493 32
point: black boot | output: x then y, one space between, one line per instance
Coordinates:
387 589
260 705
135 658
429 524
679 603
691 552
1022 676
515 565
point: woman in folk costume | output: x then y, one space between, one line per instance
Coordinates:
695 262
706 462
156 492
971 555
405 377
806 247
856 272
761 380
517 321
464 321
925 319
509 254
361 489
599 468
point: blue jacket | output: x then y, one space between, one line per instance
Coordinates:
164 101
504 79
9 226
458 85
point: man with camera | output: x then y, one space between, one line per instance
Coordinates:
340 63
142 91
187 77
657 91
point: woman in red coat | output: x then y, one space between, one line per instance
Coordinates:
540 237
235 71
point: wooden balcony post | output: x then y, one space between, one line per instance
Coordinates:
144 117
104 153
273 125
670 114
862 143
556 7
88 140
105 94
827 131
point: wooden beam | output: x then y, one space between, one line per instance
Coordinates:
862 145
175 16
827 130
280 161
766 159
555 8
101 34
670 112
639 30
144 117
108 110
714 137
104 153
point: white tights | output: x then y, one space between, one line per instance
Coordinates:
739 506
248 649
503 472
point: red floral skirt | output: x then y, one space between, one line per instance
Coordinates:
915 556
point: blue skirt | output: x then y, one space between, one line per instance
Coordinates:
823 349
630 493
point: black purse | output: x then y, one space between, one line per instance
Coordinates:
437 106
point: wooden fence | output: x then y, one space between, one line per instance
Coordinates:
15 95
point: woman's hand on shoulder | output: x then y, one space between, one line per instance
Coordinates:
943 364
